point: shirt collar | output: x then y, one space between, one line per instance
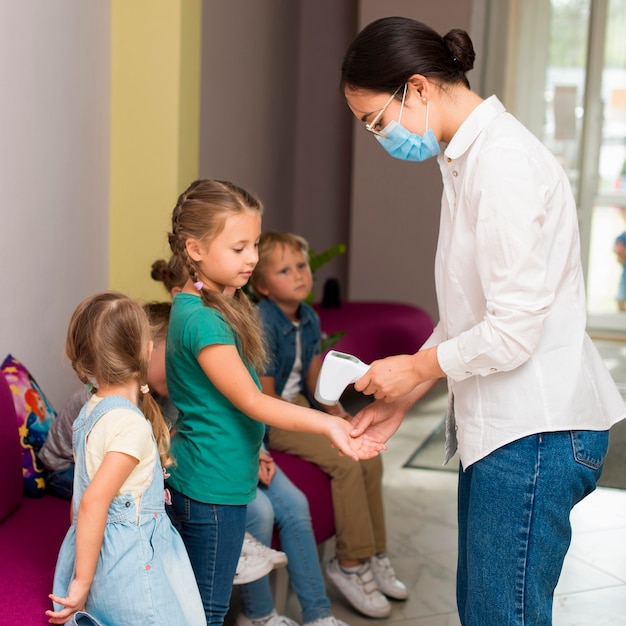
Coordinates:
473 125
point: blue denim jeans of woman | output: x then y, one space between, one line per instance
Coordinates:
213 535
284 504
514 527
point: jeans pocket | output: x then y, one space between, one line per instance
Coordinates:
180 509
590 447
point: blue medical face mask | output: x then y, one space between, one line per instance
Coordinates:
402 144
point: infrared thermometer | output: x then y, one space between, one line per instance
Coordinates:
338 371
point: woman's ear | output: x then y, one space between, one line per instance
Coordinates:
421 86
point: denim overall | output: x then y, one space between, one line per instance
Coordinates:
143 576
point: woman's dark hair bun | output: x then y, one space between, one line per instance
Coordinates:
460 46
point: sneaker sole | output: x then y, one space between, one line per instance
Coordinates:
239 580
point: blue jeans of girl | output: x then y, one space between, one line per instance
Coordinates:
213 535
283 504
514 527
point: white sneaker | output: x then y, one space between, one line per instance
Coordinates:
359 588
251 567
251 545
273 619
386 579
326 621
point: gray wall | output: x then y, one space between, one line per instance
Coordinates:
273 119
54 177
395 205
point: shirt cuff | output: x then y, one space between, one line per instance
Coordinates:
451 362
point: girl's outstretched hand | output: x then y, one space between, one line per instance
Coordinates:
75 601
357 447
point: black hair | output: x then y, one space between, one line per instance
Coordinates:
388 51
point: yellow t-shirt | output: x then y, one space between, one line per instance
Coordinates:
122 430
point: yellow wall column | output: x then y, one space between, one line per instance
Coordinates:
155 112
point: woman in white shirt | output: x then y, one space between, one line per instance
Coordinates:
531 401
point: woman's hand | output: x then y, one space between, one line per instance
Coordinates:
75 601
380 420
355 446
396 376
267 468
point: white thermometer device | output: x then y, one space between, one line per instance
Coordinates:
338 371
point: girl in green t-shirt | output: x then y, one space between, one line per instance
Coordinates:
214 348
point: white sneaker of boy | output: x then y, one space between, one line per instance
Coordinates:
273 619
251 545
326 621
359 588
251 567
386 579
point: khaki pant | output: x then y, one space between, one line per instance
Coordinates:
356 491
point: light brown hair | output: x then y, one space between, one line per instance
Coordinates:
200 213
107 343
268 242
173 273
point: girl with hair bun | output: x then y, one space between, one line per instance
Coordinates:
530 400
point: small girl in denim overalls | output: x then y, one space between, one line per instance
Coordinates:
122 561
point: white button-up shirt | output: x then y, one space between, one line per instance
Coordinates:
511 295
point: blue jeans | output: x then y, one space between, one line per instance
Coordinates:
213 535
514 526
61 482
284 504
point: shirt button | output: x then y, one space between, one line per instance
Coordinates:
456 428
455 173
493 369
127 504
449 160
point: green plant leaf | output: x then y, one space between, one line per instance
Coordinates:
328 341
316 260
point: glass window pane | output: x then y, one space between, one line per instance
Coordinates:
605 289
565 82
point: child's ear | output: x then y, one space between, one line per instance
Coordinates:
194 249
261 289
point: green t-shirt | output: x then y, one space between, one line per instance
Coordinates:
216 446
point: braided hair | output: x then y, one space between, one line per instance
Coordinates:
200 213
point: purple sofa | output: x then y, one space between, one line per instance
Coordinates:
31 530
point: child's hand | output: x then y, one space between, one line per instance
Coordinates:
75 601
359 447
267 468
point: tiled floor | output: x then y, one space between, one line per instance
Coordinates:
421 515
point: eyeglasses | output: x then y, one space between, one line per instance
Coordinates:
370 127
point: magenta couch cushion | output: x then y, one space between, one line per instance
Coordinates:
29 543
374 330
315 484
10 454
